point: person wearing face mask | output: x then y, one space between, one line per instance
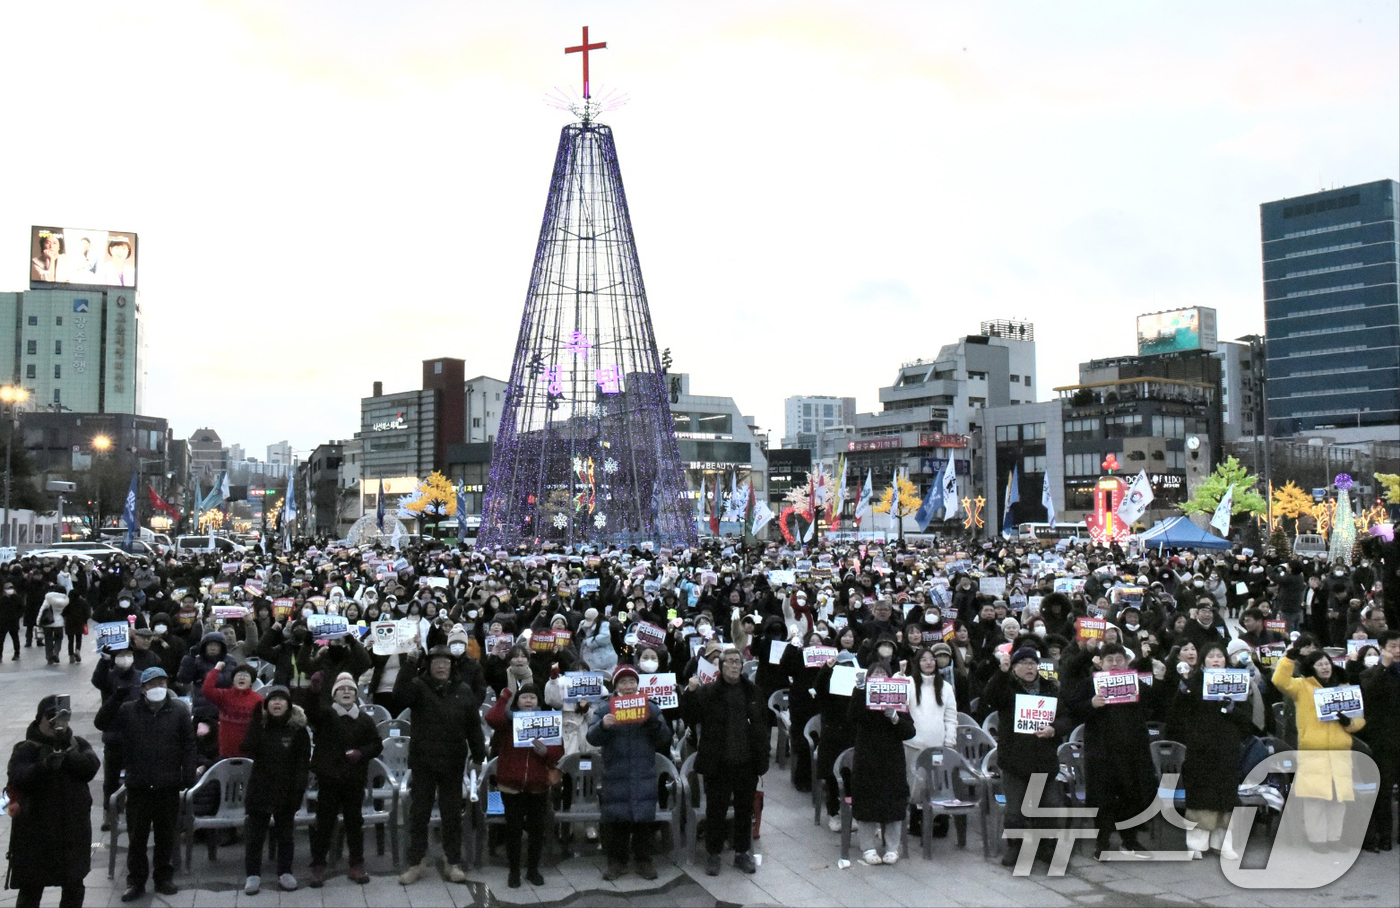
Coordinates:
1380 691
468 668
1202 628
1323 780
51 839
116 676
156 734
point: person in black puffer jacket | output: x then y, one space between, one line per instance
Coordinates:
346 741
51 842
280 747
446 729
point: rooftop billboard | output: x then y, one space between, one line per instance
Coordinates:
74 256
1176 330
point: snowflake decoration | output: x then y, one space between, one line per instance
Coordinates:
610 466
600 520
560 521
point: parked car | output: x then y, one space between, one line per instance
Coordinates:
1309 545
193 545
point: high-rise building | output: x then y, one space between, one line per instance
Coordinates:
1331 311
805 417
279 452
76 349
208 457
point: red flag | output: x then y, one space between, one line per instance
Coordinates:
160 504
718 503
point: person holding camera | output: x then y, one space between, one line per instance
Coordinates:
51 841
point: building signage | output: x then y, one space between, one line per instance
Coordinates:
1167 482
875 444
395 423
942 440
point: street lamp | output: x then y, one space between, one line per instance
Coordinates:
13 397
101 444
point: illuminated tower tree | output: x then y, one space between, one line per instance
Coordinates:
587 451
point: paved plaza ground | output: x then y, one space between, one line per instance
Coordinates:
799 860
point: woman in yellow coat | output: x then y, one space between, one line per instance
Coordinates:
1324 758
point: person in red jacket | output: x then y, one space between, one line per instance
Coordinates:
236 706
522 776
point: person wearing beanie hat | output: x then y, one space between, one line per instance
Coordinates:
280 747
155 733
1021 755
346 743
1324 778
235 705
447 731
51 840
629 796
523 777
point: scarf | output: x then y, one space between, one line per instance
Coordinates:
353 710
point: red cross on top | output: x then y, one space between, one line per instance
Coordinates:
584 48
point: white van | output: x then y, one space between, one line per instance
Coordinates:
195 545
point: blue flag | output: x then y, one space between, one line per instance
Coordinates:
461 512
129 512
289 507
931 504
379 510
1013 495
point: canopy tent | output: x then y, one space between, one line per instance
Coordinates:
1181 533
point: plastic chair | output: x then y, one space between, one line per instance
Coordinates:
394 728
267 671
116 818
381 806
405 716
1168 757
778 706
671 800
1285 726
488 811
973 745
965 719
994 805
813 733
992 724
1077 735
581 777
376 712
1071 755
945 792
750 670
232 777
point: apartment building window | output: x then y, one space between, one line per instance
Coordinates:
57 371
31 348
58 348
58 320
31 371
33 319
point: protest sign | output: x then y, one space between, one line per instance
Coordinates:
1069 585
542 642
584 687
1355 645
775 651
1089 629
391 637
1224 684
1117 687
588 585
253 588
327 627
112 635
1124 596
706 670
888 693
230 612
221 590
1269 654
659 689
992 586
500 644
649 634
817 656
1033 605
282 607
1033 713
844 679
1331 702
1048 671
537 725
1277 625
782 578
1094 610
630 710
231 567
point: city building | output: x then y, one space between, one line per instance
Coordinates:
716 440
1241 388
934 409
328 501
279 453
406 435
78 350
1027 437
208 457
1332 313
805 418
484 400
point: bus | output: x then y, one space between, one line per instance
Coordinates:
1043 532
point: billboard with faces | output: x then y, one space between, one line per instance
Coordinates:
76 256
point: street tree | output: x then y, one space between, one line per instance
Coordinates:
1230 474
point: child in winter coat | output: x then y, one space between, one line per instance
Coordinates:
522 776
236 706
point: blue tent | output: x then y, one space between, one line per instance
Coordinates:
1181 533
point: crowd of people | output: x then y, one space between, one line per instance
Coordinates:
225 659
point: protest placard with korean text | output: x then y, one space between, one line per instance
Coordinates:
1117 687
1032 713
1224 684
1331 702
538 725
630 710
888 693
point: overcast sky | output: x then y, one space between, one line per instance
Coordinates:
327 193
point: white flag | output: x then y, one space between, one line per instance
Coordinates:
863 502
762 515
1221 518
1134 504
950 491
700 505
1047 501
